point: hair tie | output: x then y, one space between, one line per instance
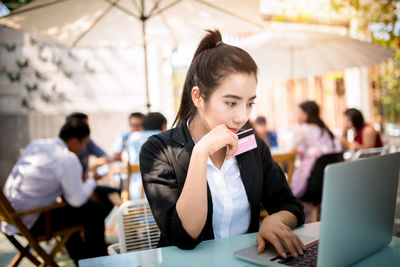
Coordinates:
219 43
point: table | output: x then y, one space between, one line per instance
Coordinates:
219 252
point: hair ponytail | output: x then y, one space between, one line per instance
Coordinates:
212 62
211 40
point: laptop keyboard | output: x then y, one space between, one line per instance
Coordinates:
309 258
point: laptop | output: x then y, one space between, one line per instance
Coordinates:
358 206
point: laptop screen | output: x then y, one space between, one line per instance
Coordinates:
358 206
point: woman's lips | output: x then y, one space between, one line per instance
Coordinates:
233 130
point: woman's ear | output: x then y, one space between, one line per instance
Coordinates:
196 97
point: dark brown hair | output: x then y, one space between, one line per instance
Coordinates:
136 115
154 121
76 116
312 110
356 117
74 128
212 62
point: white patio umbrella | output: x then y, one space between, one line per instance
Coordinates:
292 54
118 23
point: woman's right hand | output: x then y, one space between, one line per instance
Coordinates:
216 139
192 207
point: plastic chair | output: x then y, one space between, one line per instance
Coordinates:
286 162
137 228
8 214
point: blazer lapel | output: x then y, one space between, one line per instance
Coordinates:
248 170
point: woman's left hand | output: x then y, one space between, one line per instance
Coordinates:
274 231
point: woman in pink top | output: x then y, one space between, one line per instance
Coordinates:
312 139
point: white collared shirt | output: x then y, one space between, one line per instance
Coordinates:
46 170
231 208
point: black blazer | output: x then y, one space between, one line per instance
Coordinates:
164 161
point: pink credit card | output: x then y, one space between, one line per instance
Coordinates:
247 141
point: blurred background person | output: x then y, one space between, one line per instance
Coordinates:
311 140
269 136
47 170
135 125
102 194
92 149
153 123
365 136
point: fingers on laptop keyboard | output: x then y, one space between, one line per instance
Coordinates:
293 244
299 245
274 240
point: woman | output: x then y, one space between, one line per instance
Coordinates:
365 135
195 186
312 139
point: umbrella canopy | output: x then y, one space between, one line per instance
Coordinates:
293 54
117 23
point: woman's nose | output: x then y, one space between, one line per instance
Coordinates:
240 116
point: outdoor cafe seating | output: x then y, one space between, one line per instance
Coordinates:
40 256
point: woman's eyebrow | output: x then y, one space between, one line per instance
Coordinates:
232 96
237 97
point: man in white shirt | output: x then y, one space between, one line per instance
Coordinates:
50 168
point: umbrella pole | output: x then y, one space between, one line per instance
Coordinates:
143 19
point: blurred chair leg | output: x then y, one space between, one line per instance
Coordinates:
316 213
22 252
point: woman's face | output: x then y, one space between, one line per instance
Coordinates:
231 103
347 122
302 116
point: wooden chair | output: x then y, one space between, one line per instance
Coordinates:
8 214
286 162
131 168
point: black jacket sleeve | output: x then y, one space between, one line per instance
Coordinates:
163 190
277 194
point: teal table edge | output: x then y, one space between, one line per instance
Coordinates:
219 252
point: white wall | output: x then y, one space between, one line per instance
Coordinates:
105 83
357 90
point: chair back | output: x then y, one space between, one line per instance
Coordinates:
313 192
9 215
6 210
137 228
132 168
369 152
286 162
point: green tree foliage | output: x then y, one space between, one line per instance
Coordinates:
381 18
